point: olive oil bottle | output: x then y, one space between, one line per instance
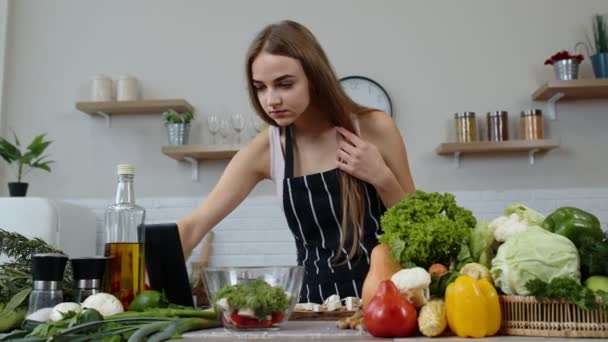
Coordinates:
124 244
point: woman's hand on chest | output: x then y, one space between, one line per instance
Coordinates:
360 158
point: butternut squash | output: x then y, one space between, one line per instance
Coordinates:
382 266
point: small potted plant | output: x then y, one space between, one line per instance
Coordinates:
565 65
599 60
178 126
25 161
599 45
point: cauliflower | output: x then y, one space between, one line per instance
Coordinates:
476 271
515 219
105 303
505 227
413 283
63 309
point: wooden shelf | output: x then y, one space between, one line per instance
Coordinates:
573 90
570 90
530 146
199 152
107 109
134 107
501 146
195 153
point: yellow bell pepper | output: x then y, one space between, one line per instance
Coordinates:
472 307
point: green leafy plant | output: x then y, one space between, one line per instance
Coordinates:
16 274
568 289
172 116
599 26
32 158
427 228
600 33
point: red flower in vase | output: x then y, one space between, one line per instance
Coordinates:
563 55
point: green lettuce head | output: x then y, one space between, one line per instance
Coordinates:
533 254
427 228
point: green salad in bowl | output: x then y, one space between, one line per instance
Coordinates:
253 297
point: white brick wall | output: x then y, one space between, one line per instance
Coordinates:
256 233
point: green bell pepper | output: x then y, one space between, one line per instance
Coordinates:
574 224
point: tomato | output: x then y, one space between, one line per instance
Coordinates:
278 317
249 322
237 320
389 314
266 323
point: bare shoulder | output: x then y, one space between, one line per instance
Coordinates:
378 127
381 130
256 154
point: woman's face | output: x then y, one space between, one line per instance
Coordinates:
281 86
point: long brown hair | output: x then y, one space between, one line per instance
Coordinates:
291 39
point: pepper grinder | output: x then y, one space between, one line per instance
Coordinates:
47 280
88 276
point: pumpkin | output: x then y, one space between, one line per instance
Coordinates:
382 266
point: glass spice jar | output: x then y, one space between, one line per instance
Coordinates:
531 124
466 127
498 125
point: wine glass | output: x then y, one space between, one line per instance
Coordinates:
225 129
238 123
258 124
213 122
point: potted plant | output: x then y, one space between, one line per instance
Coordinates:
178 126
565 65
25 161
599 60
600 37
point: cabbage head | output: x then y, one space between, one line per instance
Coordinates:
524 213
533 254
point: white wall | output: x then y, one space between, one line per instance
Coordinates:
256 234
3 27
434 58
3 33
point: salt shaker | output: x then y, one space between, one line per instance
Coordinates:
126 88
101 88
88 276
47 280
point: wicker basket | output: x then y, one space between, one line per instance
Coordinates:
525 316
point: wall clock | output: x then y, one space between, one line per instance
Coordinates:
367 92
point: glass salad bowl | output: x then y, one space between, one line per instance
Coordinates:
253 298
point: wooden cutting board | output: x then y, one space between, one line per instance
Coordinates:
320 316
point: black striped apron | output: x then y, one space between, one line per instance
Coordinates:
313 210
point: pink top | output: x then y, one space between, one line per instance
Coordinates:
277 160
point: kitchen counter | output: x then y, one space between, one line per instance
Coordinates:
326 331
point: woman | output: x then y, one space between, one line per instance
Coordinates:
337 165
